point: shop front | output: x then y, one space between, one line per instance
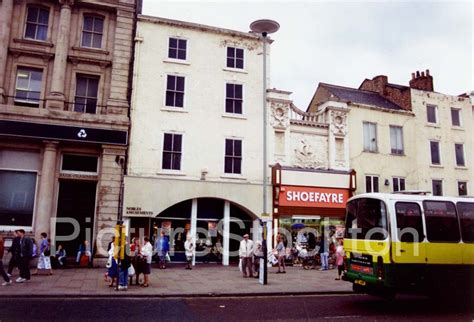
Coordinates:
310 204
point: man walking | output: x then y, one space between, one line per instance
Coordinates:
15 250
246 254
26 250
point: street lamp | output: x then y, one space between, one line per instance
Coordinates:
264 27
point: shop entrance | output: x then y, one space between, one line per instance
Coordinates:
76 203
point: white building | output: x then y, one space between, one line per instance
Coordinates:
195 156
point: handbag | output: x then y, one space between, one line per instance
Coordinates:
109 263
131 270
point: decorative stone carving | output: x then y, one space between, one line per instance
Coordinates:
305 157
280 116
339 123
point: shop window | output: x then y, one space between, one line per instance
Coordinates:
175 91
371 184
172 145
409 222
79 163
28 86
17 197
233 156
466 215
370 137
441 221
36 23
234 98
92 31
177 48
235 57
87 89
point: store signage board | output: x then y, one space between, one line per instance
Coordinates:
296 196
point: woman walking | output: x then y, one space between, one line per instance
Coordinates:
340 258
147 252
44 261
112 273
281 253
189 248
6 278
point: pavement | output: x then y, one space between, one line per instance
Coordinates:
203 280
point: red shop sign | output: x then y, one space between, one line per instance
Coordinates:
293 196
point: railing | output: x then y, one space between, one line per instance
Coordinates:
298 116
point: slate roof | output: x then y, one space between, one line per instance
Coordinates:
353 95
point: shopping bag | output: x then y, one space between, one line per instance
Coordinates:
168 259
131 270
240 265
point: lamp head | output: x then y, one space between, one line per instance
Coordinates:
264 26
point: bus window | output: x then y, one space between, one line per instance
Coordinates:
466 215
366 219
409 223
441 221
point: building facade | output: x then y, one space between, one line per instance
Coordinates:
195 160
406 137
64 103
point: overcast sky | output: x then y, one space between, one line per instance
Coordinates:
343 43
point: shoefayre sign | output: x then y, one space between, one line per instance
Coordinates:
138 211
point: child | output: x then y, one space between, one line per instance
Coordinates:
340 258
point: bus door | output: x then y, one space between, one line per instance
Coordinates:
408 246
442 233
466 216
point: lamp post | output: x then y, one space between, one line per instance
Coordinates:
264 27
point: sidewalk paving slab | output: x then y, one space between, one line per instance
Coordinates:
203 280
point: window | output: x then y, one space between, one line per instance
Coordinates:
175 91
172 148
437 186
466 215
370 137
87 88
233 101
92 30
409 223
233 156
80 163
371 184
366 219
459 150
431 114
441 221
462 188
37 23
28 86
398 184
396 139
235 57
177 48
456 116
17 197
435 157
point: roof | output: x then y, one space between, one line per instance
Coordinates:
354 95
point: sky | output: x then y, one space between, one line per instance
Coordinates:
345 42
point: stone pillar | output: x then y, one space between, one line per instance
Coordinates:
44 205
56 96
226 234
6 10
194 209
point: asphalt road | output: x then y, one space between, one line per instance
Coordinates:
289 308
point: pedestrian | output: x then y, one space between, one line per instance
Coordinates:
340 258
189 248
15 251
26 250
124 266
136 259
257 255
162 248
44 262
281 253
147 253
246 255
323 252
6 278
111 263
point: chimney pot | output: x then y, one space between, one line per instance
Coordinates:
427 72
417 73
412 75
422 74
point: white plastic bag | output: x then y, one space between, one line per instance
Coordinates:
240 265
131 270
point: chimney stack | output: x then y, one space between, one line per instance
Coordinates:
422 81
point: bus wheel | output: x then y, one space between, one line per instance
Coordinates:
358 288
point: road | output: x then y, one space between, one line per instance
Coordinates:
270 308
